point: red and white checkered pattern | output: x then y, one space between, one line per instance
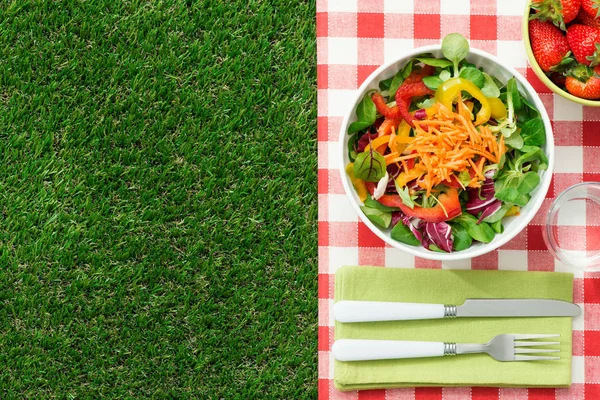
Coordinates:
354 37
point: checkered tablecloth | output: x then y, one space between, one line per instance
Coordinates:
354 37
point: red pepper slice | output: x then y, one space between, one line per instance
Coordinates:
404 96
382 107
390 200
418 74
415 76
410 163
450 202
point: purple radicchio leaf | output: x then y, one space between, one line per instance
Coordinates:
440 233
396 217
488 186
480 198
490 210
411 222
426 241
489 173
391 187
407 219
421 114
364 141
413 185
393 171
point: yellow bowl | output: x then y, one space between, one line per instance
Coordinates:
540 74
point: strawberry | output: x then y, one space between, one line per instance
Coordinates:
559 12
584 42
584 18
549 45
590 7
583 82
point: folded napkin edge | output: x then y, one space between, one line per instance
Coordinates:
348 388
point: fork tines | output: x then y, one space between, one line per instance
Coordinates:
521 347
527 337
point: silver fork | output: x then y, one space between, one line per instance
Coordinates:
506 347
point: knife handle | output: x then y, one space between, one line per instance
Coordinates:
368 311
364 350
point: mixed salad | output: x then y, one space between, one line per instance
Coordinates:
443 152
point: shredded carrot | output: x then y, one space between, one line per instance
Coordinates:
408 157
444 145
480 165
430 122
392 139
391 155
391 158
447 143
400 166
401 159
476 169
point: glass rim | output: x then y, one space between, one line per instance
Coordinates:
551 220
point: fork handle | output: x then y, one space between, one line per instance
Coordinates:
364 350
369 311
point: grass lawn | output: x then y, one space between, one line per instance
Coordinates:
158 199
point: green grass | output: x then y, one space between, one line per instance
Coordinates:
157 199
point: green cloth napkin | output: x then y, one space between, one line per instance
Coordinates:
451 287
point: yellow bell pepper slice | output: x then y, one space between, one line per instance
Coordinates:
404 140
403 132
406 176
378 142
359 184
497 108
449 90
514 210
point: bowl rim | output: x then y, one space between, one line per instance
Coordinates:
499 240
538 70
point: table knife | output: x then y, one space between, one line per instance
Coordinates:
368 311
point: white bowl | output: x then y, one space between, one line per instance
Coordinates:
512 225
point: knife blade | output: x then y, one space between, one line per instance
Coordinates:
517 308
371 311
